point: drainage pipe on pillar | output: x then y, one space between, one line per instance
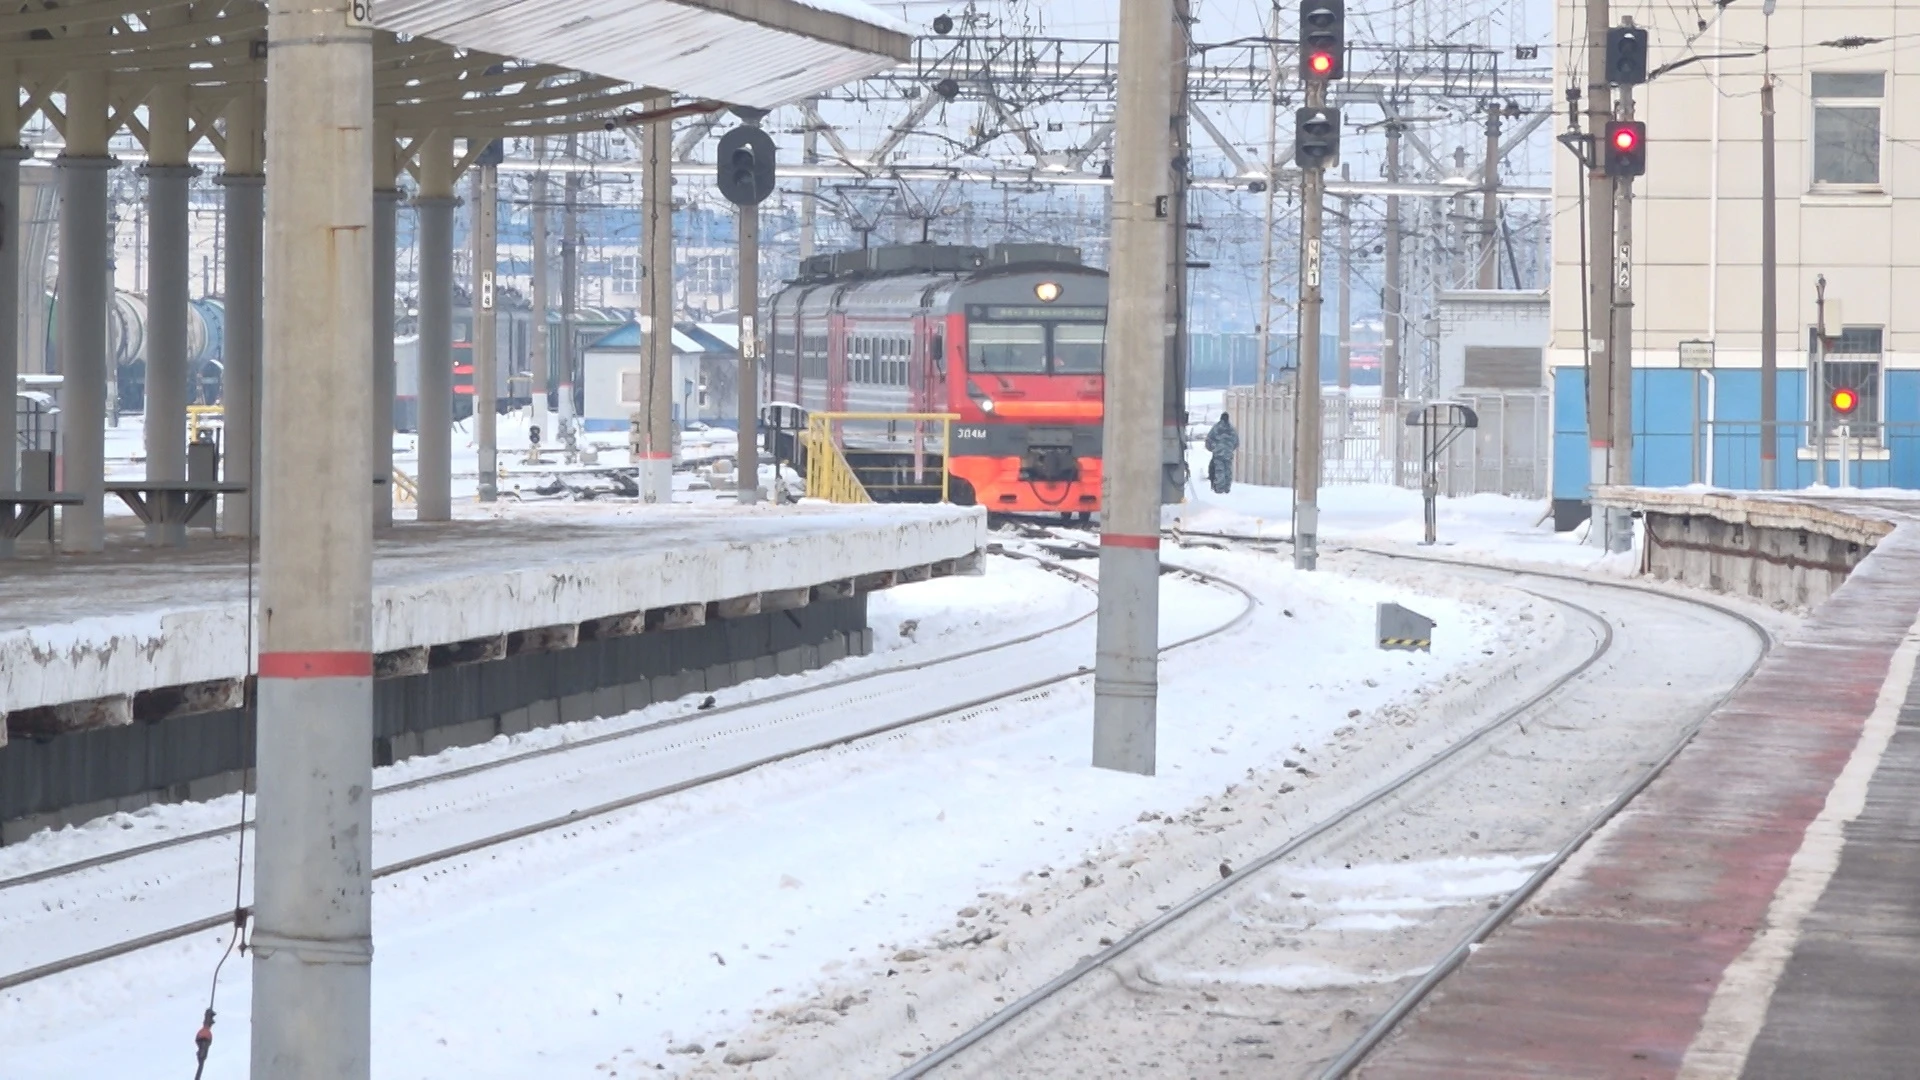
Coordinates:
312 941
243 184
386 254
434 206
84 288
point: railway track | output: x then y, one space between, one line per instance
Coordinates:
749 736
1030 1015
572 747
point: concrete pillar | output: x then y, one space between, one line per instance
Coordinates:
434 206
12 237
313 889
1126 673
486 353
656 304
168 275
386 255
541 362
244 187
84 291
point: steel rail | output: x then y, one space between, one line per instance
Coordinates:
1094 962
1044 685
1410 999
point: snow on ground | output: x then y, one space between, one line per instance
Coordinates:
911 623
1486 527
595 951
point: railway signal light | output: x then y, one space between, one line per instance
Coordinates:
1322 39
1626 56
1316 137
1844 401
746 175
1626 150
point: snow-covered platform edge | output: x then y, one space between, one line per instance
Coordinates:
123 654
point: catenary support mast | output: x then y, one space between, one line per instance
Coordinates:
1126 672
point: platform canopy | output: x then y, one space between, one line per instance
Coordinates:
758 53
482 69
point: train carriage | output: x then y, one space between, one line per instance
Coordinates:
1011 339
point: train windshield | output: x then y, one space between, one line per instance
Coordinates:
1007 348
1078 348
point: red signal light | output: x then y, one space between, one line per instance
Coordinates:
1845 401
1625 139
1320 63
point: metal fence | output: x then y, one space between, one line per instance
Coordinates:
1364 440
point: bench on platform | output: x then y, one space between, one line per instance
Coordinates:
20 509
171 504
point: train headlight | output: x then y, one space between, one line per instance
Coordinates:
1047 291
986 405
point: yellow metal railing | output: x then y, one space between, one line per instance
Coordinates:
404 488
831 477
197 415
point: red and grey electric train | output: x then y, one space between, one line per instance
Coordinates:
1010 338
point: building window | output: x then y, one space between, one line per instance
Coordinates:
626 275
1846 129
1852 362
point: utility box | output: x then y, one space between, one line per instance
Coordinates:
1398 628
203 467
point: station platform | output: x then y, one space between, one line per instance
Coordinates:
1756 911
123 674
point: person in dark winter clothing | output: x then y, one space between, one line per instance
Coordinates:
1222 441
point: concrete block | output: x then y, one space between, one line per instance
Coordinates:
764 667
610 701
471 733
516 722
834 648
809 657
212 787
718 677
637 695
790 661
405 745
543 713
576 707
743 671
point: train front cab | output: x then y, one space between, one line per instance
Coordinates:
1028 385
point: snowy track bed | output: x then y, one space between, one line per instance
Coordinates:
477 797
1285 966
788 918
700 752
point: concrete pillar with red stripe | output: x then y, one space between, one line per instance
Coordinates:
313 884
1126 680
